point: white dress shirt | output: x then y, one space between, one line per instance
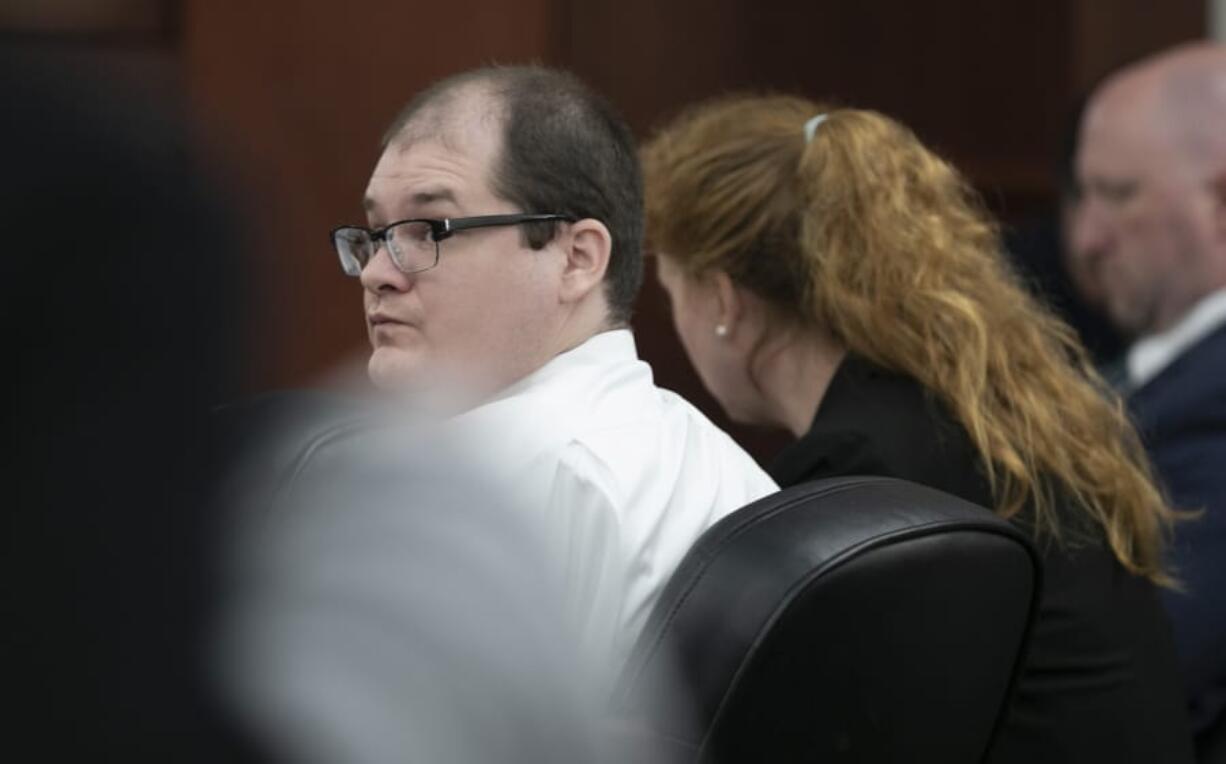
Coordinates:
627 475
1148 356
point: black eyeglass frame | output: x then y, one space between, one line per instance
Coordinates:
440 229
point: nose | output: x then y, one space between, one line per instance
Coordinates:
382 275
1090 240
1091 235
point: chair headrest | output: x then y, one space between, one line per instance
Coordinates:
842 617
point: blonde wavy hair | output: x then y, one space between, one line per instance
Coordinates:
865 233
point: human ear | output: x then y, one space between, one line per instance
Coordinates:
729 303
587 248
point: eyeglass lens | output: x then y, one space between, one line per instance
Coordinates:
410 244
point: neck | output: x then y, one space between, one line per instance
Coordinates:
579 326
795 375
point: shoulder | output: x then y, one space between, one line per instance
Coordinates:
876 422
635 434
1202 366
583 473
1189 395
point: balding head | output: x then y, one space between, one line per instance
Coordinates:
559 145
1150 234
1178 98
444 112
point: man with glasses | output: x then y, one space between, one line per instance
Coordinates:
500 262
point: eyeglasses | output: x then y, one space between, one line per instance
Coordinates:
413 244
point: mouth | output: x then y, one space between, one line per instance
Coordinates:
385 330
377 320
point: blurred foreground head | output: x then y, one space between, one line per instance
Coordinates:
391 605
121 300
1150 230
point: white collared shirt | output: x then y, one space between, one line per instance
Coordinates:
1150 355
627 474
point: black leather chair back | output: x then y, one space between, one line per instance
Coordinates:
845 620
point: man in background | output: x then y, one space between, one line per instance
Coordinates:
500 262
1150 234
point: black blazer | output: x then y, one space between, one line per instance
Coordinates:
1181 414
1100 682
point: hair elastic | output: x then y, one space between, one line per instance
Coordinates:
811 126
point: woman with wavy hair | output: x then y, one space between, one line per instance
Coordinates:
830 275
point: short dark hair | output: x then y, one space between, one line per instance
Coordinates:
565 150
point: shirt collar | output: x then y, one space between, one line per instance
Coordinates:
525 414
1150 355
600 349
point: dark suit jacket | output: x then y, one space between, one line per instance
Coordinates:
1100 682
1181 414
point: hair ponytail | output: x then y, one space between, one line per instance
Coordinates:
864 232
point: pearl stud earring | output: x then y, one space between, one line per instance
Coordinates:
721 330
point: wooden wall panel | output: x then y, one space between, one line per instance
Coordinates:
1106 35
89 19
